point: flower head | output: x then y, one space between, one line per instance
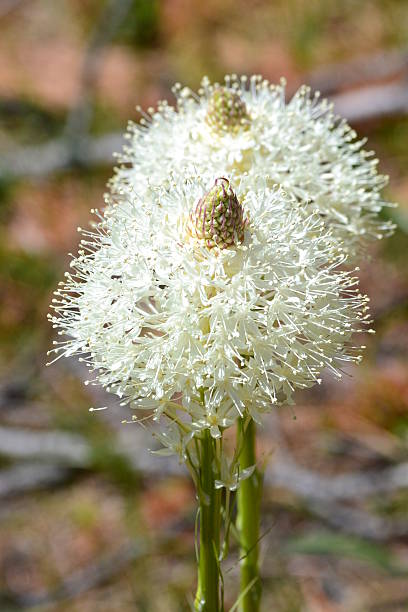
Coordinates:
248 127
156 317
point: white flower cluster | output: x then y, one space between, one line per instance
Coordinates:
300 145
158 317
214 283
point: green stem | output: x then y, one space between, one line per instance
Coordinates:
249 497
208 591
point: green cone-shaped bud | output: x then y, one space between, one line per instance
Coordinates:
226 111
218 218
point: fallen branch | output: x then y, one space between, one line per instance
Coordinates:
24 478
284 472
58 447
54 156
375 102
381 65
73 451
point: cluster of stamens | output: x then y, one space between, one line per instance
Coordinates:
226 111
218 219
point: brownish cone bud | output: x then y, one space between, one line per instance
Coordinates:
218 218
226 111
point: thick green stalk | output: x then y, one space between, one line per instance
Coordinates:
249 497
208 591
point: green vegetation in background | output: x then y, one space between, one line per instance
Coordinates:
394 15
114 465
395 248
308 30
141 27
29 122
390 139
71 413
6 198
35 272
394 507
105 119
324 31
400 426
25 282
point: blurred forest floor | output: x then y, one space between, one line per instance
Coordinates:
89 520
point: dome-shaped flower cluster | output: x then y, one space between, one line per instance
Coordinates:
247 126
198 332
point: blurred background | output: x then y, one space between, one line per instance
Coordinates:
89 520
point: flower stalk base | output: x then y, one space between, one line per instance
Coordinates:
208 591
249 497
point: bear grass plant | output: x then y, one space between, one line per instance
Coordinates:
218 280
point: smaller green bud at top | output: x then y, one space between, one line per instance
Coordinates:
218 218
226 112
